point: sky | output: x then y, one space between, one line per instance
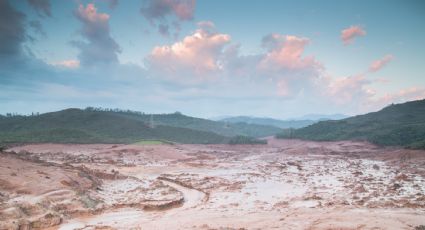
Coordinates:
281 59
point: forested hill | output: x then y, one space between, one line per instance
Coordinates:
397 124
179 120
116 126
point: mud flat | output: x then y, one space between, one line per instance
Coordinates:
286 184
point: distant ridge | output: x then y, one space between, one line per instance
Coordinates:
321 117
269 121
290 123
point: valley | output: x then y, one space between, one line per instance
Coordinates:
286 184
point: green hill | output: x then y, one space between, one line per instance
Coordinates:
84 126
116 126
395 125
182 121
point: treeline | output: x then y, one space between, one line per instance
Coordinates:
116 110
245 140
125 111
19 115
92 109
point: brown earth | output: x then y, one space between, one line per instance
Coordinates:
286 184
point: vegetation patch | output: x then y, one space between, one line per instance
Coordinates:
152 142
395 125
96 125
244 140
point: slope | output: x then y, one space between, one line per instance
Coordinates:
85 126
397 124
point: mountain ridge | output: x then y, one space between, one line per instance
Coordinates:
287 123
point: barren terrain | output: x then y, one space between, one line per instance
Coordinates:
286 184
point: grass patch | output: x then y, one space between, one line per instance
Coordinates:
152 142
244 140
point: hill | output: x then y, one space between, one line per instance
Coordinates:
83 126
116 126
395 125
182 121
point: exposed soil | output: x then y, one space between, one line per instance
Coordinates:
286 184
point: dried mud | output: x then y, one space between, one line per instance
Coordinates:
286 184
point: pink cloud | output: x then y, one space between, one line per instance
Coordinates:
184 9
157 12
90 14
349 34
100 46
379 64
71 64
206 25
286 52
344 90
196 55
283 62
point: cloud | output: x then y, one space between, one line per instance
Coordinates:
206 25
157 12
12 31
379 64
90 15
240 66
286 68
101 48
163 29
344 90
71 64
37 27
208 56
203 73
349 34
285 51
407 94
377 102
42 7
195 57
159 9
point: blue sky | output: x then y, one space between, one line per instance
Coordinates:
279 59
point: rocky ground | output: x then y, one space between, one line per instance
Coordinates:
286 184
